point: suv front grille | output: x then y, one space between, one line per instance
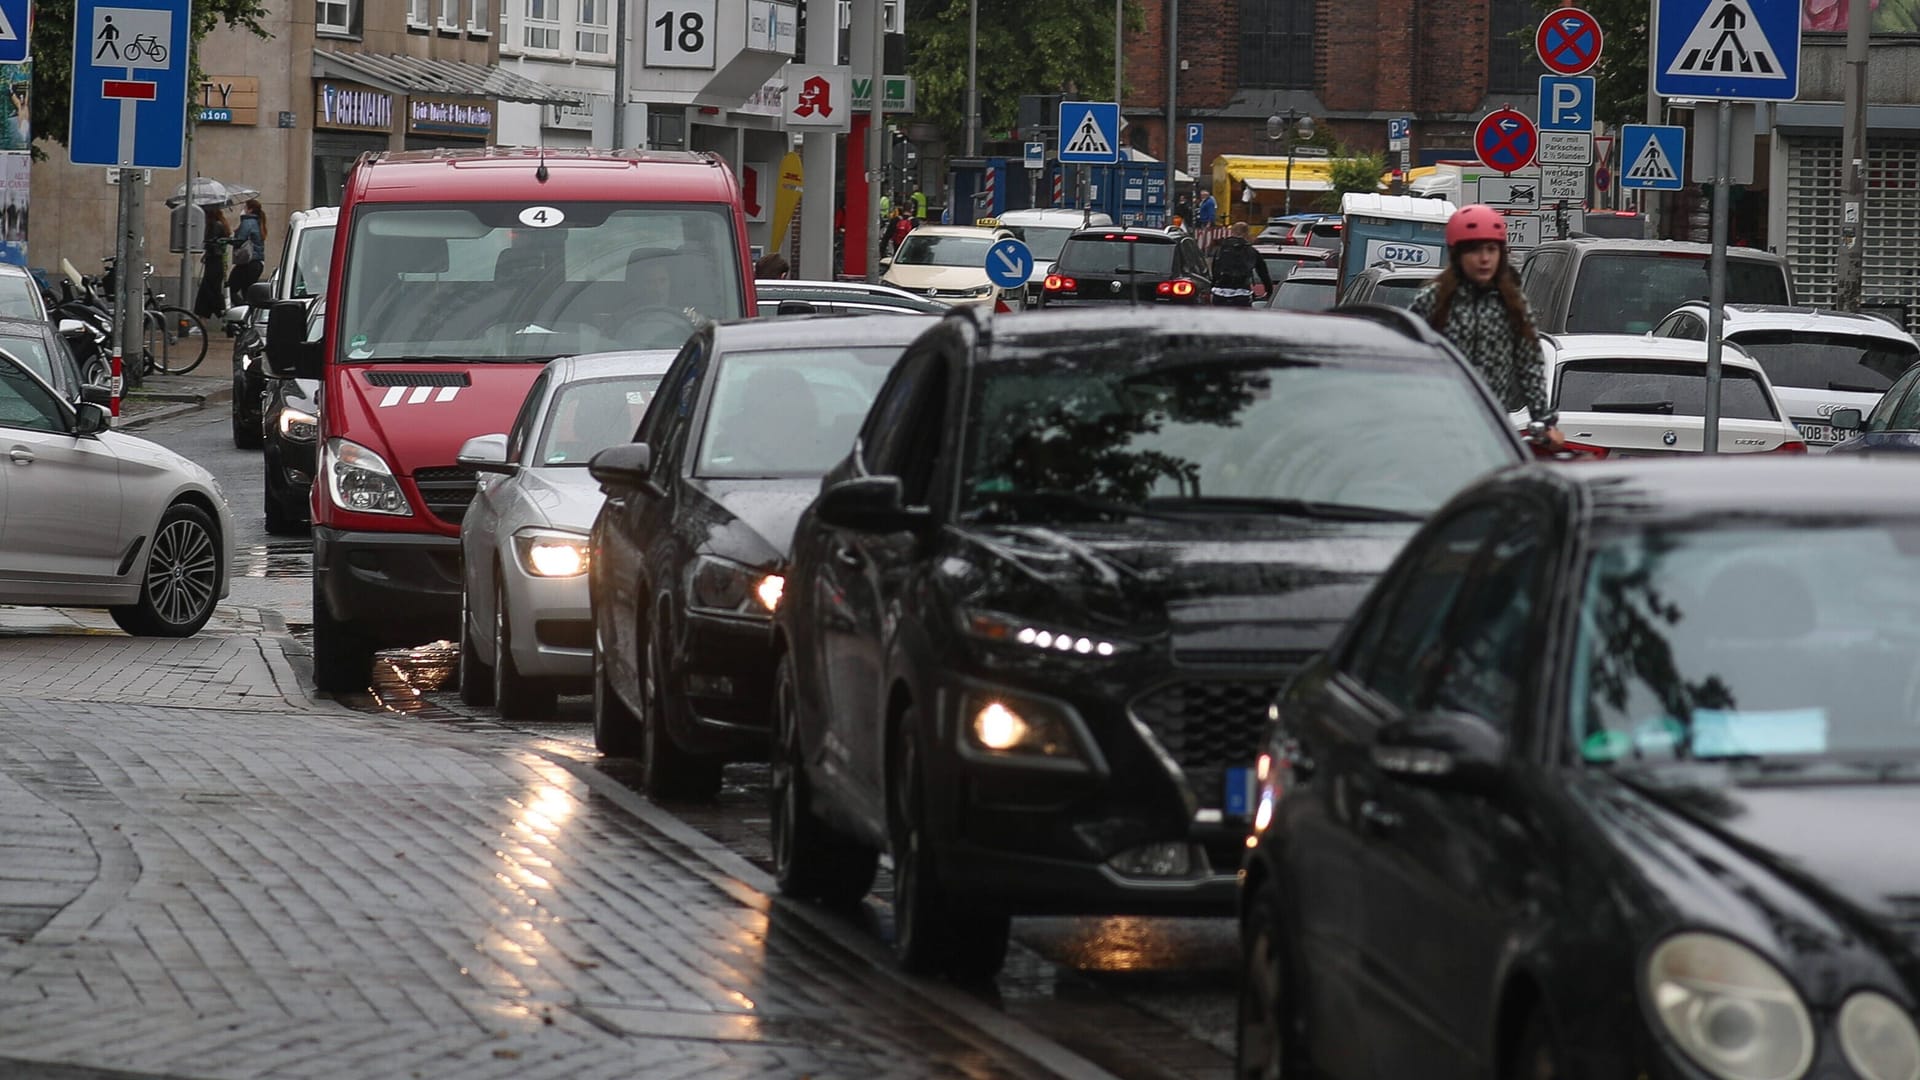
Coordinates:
1207 727
447 490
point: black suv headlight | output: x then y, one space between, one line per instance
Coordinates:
1009 727
1038 636
724 587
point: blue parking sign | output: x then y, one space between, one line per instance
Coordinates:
129 85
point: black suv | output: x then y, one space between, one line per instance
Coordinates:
1393 284
1049 596
1113 264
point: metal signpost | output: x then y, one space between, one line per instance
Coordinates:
1724 51
129 112
1399 140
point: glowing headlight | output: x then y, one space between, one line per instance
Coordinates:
1878 1038
730 588
360 480
998 727
549 553
1730 1010
298 426
1017 728
993 626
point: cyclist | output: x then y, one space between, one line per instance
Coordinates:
1477 304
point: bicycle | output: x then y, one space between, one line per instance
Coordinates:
147 44
173 339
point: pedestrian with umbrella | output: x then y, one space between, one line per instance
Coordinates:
213 265
249 251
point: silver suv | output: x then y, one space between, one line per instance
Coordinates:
1819 361
1597 286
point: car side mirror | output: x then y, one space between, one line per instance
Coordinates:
794 307
1845 420
1443 748
870 504
289 354
91 419
93 394
886 261
487 454
625 469
259 294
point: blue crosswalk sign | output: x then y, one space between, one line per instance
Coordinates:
129 85
16 29
1009 264
1089 132
1741 50
1651 156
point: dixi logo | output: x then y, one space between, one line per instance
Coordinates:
1403 254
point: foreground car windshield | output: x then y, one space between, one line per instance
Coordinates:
1630 293
789 412
588 416
1112 429
1742 642
968 251
1828 361
474 281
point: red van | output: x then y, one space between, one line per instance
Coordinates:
457 276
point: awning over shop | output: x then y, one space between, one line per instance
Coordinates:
1179 177
418 75
1268 183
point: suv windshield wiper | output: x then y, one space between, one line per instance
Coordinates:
1051 498
1665 407
1308 508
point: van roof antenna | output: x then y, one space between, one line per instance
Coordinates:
540 174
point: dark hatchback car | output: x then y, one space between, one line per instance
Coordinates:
1613 775
1052 591
688 554
1116 265
289 432
1386 283
1308 288
1284 259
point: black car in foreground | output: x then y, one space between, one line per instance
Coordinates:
688 556
1041 609
1613 775
289 422
1114 264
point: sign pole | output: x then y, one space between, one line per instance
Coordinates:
185 299
1717 269
127 297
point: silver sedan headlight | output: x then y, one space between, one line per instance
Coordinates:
551 553
1732 1013
1878 1038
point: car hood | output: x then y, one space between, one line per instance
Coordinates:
750 521
1220 590
564 497
419 423
1820 854
920 278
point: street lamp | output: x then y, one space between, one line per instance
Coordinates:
1286 125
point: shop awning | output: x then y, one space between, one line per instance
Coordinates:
1179 177
1300 183
418 75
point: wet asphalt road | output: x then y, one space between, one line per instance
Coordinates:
1148 998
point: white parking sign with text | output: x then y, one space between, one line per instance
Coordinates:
1523 231
1563 182
1566 148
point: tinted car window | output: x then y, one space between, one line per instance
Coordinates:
1769 641
1117 256
1111 427
1398 292
1882 415
1399 649
1537 279
1297 294
789 412
1659 387
588 416
1628 293
923 250
1492 632
26 404
1828 361
311 262
20 297
523 421
31 350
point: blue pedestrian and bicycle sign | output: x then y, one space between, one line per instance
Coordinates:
129 84
1650 156
16 29
1730 50
1009 264
1089 132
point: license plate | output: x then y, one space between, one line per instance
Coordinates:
1237 800
1819 434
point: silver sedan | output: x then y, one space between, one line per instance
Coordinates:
93 518
526 628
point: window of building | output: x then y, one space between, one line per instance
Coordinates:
417 16
336 16
1276 43
543 25
477 18
1512 65
666 130
449 14
590 36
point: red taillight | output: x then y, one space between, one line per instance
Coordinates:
1583 451
1056 283
1789 447
1180 287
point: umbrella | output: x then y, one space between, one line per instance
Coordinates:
210 192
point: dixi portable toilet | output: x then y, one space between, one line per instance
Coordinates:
1399 229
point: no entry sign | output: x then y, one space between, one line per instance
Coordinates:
1569 41
1506 140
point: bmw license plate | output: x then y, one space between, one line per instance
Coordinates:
1237 800
1820 434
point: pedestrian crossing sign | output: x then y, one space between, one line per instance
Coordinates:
1650 156
1089 132
1737 50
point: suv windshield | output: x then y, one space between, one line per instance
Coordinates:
311 263
789 412
507 280
1248 428
1627 292
1110 254
923 250
1666 388
590 415
1734 642
1828 361
1045 243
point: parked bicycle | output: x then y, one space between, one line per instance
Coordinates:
173 339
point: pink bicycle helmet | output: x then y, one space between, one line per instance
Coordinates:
1475 223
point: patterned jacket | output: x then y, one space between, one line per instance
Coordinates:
1478 326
